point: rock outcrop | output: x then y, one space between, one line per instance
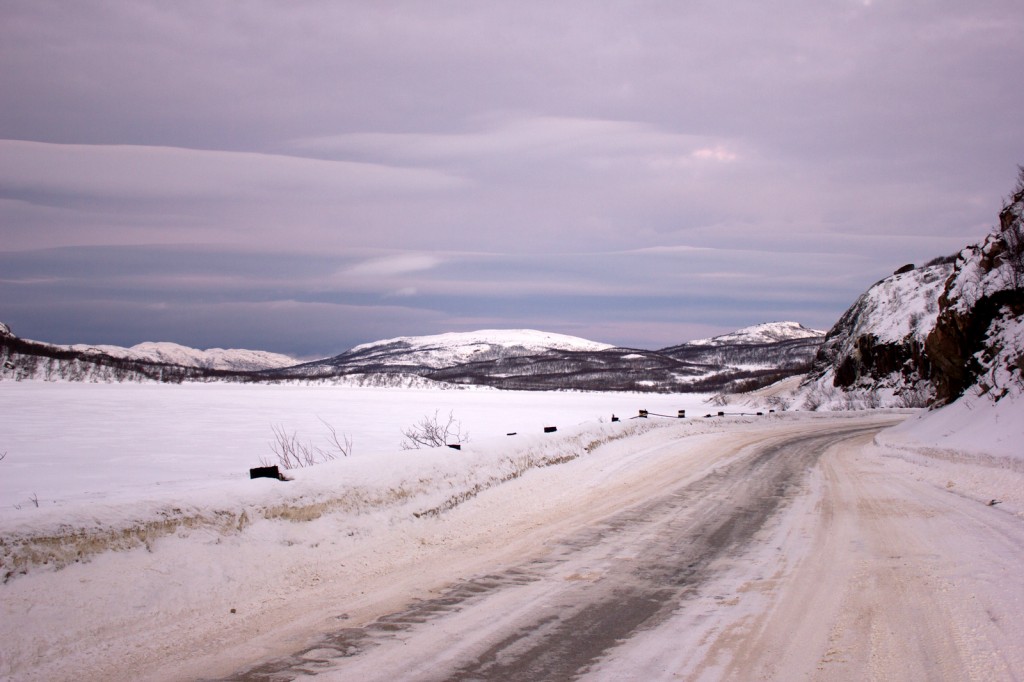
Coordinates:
977 339
925 336
875 354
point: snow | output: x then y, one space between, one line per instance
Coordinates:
903 305
983 270
152 556
127 440
971 427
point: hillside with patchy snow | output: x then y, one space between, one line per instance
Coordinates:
785 347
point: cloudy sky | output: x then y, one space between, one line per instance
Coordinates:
305 176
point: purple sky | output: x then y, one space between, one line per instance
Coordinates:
306 176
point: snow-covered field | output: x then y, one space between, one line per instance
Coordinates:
83 441
151 555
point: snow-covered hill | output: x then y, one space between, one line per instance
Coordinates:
769 332
874 355
447 350
166 362
771 349
233 359
533 360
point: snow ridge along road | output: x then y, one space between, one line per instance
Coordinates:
557 615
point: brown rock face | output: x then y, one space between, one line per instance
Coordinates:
958 337
873 359
985 286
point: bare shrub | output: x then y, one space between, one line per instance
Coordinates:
342 445
914 396
434 432
814 398
293 453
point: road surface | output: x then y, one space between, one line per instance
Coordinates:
798 552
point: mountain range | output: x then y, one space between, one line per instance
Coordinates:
509 359
533 360
924 336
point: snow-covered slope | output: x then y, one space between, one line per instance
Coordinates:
769 332
899 307
456 348
234 359
22 359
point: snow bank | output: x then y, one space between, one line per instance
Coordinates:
409 484
97 467
972 427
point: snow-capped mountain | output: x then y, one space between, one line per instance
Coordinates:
769 332
520 359
234 359
167 362
787 346
534 360
456 348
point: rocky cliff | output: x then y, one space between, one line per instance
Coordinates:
875 354
978 338
926 335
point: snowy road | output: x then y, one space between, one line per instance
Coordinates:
783 547
792 556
